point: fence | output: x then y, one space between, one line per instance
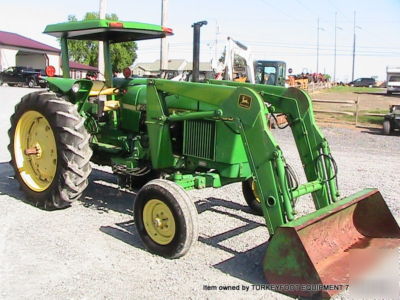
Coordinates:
315 86
354 103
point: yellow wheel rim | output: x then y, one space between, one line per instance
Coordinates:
35 151
159 222
254 189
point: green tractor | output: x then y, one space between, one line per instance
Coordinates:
168 137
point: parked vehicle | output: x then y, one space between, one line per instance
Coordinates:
363 82
271 72
23 76
393 80
392 120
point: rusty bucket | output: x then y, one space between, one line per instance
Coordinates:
319 254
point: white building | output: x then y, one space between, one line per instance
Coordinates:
175 66
17 50
20 51
153 69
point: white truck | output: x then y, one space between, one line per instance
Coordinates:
393 80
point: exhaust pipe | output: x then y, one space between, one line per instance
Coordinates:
196 50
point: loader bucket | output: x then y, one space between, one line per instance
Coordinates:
319 254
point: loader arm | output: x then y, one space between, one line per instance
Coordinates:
245 104
311 144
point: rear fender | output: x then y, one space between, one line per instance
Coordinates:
64 86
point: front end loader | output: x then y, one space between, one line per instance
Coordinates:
168 137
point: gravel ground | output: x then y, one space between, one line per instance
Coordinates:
91 250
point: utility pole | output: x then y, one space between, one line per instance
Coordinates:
318 29
102 15
214 56
334 57
164 42
317 43
216 40
354 46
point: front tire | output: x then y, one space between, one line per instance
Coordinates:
49 149
165 218
251 197
386 127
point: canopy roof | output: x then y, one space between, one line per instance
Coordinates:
113 31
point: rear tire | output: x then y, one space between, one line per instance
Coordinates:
50 151
386 127
252 201
165 218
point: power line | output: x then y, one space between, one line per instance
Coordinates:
312 12
292 18
294 54
326 51
283 44
268 49
340 11
378 50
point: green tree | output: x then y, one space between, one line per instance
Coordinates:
86 52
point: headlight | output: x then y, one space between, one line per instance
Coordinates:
75 87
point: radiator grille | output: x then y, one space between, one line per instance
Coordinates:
199 139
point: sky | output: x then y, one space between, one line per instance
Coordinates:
273 30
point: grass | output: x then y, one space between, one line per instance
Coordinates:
347 89
362 118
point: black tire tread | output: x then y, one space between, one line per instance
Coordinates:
73 150
386 127
187 207
251 200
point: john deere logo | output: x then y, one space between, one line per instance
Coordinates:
244 101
